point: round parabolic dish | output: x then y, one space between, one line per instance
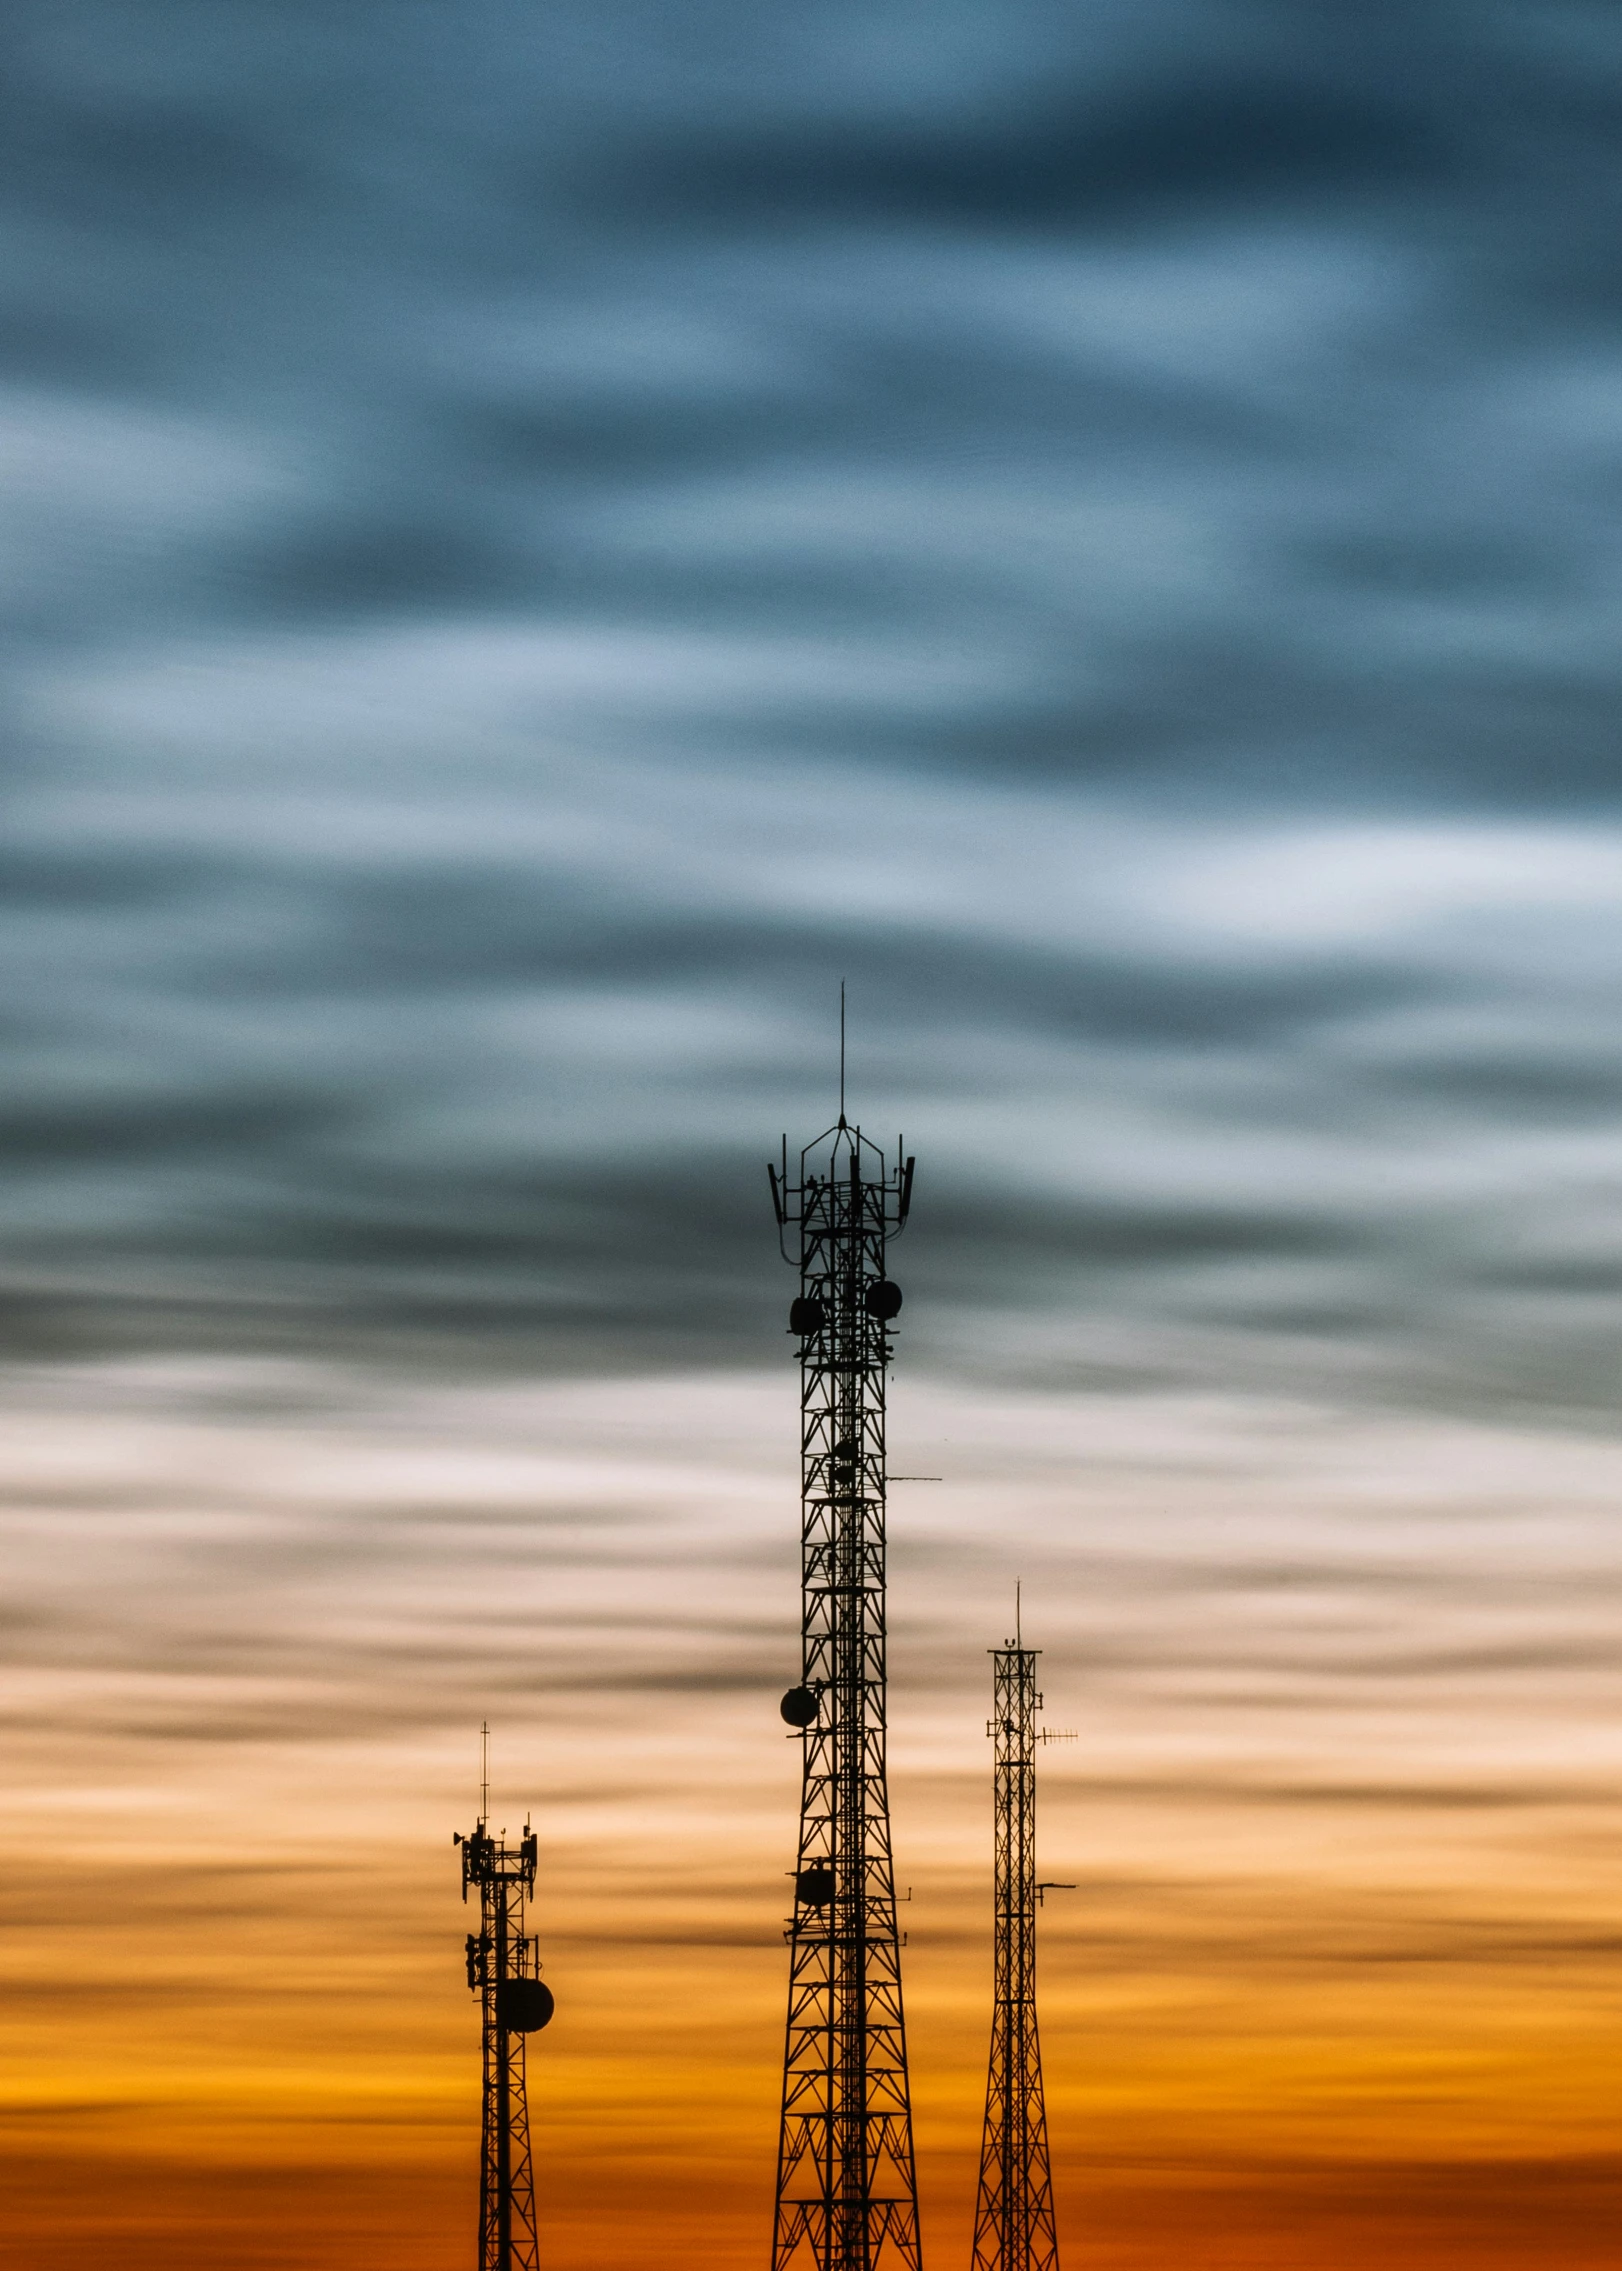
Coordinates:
524 2006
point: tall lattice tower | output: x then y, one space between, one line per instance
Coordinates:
847 2193
1013 2220
503 1970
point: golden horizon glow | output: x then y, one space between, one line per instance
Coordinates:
1341 1815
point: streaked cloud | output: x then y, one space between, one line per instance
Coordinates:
533 546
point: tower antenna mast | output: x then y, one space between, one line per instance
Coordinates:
504 1971
1013 2220
847 2190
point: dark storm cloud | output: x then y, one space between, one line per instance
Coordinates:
1054 162
536 544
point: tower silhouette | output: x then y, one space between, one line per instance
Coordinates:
847 2193
1013 2220
503 1970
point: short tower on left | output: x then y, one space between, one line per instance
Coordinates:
504 1971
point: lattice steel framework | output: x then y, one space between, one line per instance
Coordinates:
503 1970
1013 2221
847 2193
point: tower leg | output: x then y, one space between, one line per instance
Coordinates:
501 1960
847 2196
1014 2226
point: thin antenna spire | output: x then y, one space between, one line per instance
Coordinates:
841 1052
484 1771
1019 1629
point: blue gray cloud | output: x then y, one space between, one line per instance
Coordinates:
535 545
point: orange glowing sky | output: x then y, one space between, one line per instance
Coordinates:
1339 1971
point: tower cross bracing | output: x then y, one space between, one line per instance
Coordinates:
847 2192
503 1970
1013 2222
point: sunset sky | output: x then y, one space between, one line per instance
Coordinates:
536 541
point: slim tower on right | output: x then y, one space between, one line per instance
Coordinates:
1013 2222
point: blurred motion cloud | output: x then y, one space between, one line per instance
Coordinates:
535 542
535 547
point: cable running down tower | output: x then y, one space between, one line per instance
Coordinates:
1013 2221
847 2192
503 1970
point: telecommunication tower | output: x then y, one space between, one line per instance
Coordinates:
503 1970
847 2191
1013 2220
